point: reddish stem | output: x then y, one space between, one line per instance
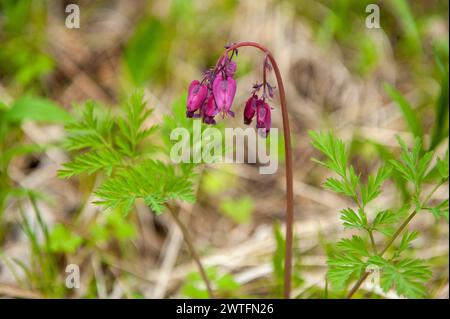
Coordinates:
288 155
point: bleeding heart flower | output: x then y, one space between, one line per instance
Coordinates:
250 108
196 96
263 117
224 89
210 110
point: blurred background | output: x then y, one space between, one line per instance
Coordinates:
335 70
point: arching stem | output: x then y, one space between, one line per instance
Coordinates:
288 155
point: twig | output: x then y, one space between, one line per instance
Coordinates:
192 249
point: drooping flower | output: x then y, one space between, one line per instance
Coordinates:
263 117
196 96
224 89
209 110
250 108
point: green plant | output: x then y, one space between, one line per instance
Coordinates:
121 150
41 272
224 284
23 57
278 262
351 257
30 108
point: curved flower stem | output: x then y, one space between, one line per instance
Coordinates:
192 249
288 155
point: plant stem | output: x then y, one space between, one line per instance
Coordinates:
192 250
394 237
288 159
372 240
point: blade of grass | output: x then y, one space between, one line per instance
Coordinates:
440 127
408 113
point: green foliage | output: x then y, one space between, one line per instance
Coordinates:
344 267
144 49
278 262
152 181
63 240
118 146
41 271
351 257
37 109
224 285
402 10
23 56
440 128
214 182
408 112
412 165
440 210
385 220
406 275
115 226
238 209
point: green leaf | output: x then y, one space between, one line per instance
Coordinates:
142 52
413 167
223 284
334 151
339 186
440 126
94 133
407 276
62 240
385 221
440 211
156 203
37 109
342 268
278 256
406 240
443 166
90 163
131 125
91 131
404 15
352 219
373 186
409 114
152 181
355 245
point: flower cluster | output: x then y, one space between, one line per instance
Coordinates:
215 94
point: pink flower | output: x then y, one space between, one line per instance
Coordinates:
263 117
196 96
224 89
250 108
209 111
